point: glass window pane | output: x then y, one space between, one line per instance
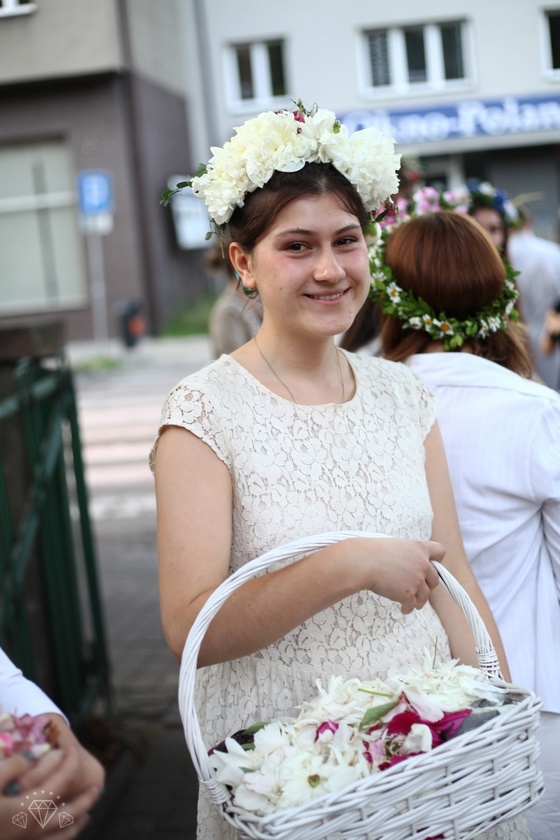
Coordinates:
245 72
276 64
415 55
452 46
554 29
67 256
379 58
41 265
32 168
21 272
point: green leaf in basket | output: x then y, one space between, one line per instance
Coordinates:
376 713
253 728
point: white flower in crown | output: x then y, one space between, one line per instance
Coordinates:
495 323
285 141
415 322
486 188
483 330
394 292
444 327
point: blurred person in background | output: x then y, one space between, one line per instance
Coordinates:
551 334
235 317
493 211
538 262
447 303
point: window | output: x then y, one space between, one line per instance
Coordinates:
41 266
16 7
423 57
553 21
255 74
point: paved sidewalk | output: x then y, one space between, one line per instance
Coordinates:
152 790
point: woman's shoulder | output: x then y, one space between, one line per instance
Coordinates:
211 379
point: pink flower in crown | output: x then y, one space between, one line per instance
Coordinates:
427 200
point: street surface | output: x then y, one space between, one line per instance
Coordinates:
119 410
120 396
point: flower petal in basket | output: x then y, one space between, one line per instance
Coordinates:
458 789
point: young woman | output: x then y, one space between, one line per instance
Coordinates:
289 436
502 439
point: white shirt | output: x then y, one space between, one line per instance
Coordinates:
538 263
502 438
20 696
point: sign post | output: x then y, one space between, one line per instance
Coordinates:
95 196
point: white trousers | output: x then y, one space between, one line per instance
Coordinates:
544 817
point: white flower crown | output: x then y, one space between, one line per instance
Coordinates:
284 141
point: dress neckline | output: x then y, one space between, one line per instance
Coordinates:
265 390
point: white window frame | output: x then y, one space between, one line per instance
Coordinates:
551 73
14 7
260 71
398 67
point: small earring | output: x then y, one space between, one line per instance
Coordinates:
248 291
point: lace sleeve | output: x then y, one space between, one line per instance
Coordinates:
191 407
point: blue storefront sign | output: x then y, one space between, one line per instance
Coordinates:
468 118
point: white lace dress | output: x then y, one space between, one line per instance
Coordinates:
301 470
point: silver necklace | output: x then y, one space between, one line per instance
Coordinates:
281 381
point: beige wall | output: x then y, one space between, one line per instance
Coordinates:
62 38
322 36
155 42
66 38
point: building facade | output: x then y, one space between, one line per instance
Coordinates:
473 88
103 105
93 122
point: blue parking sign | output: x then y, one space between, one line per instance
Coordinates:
95 193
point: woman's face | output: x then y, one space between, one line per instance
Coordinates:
492 223
310 268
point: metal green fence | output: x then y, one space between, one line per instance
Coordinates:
51 619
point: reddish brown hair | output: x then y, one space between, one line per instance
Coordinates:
449 261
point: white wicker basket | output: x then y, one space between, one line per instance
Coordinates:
457 790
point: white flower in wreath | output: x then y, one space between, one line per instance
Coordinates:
444 327
393 292
486 188
415 322
484 330
509 306
494 323
427 320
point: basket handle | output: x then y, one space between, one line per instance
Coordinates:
486 655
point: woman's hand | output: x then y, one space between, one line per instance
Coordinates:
401 569
54 776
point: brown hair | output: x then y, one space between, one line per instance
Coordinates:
449 261
250 222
